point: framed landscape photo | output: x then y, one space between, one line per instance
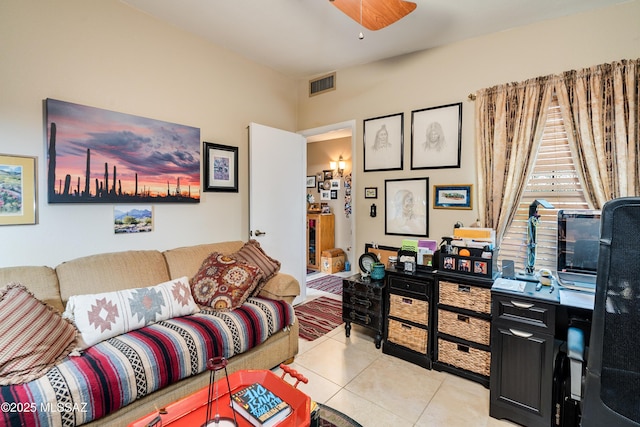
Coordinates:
407 207
18 201
383 143
436 137
371 192
453 196
220 168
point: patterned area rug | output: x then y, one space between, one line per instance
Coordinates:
318 316
329 417
329 283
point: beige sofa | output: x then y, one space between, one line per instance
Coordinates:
134 269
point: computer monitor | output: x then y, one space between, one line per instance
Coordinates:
578 241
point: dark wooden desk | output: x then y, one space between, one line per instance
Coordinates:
527 328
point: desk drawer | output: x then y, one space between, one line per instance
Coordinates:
527 311
408 336
413 286
465 296
464 357
466 327
407 308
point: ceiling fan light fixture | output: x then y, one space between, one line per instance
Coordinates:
377 14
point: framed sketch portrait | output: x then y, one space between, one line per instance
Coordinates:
407 207
383 143
436 137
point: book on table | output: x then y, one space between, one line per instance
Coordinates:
259 405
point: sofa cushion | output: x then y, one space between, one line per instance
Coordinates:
41 281
223 282
253 254
105 315
33 336
186 261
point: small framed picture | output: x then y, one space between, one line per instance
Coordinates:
220 168
334 194
327 175
449 263
453 196
325 195
480 267
371 192
311 181
465 265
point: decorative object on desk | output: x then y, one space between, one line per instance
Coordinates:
214 420
383 143
260 406
327 283
366 262
18 190
406 207
532 225
377 271
318 316
436 137
453 197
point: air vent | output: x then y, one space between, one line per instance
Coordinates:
322 84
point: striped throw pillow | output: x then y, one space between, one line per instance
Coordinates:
33 336
253 254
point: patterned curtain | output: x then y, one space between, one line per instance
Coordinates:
600 104
509 124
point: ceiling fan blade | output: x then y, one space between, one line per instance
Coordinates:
376 14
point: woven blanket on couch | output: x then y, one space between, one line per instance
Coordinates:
114 373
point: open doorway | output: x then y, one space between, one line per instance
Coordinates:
325 145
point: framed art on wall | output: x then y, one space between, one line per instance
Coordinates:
436 137
311 181
220 168
383 143
453 196
407 207
371 192
18 194
101 156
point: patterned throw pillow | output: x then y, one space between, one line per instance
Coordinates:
223 282
101 316
33 336
253 254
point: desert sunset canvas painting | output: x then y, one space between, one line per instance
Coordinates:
101 156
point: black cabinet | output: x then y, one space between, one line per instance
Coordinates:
363 303
408 331
522 348
462 342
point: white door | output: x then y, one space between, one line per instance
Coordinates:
277 190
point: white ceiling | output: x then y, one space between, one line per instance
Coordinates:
304 38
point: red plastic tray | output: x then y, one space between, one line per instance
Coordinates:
191 411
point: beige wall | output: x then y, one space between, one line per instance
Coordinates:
105 54
447 75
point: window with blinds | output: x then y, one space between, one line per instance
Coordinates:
554 179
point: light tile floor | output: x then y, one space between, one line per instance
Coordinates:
376 389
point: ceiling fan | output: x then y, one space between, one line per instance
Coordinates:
375 14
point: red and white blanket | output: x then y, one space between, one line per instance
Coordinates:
116 372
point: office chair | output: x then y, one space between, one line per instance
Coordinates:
612 385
